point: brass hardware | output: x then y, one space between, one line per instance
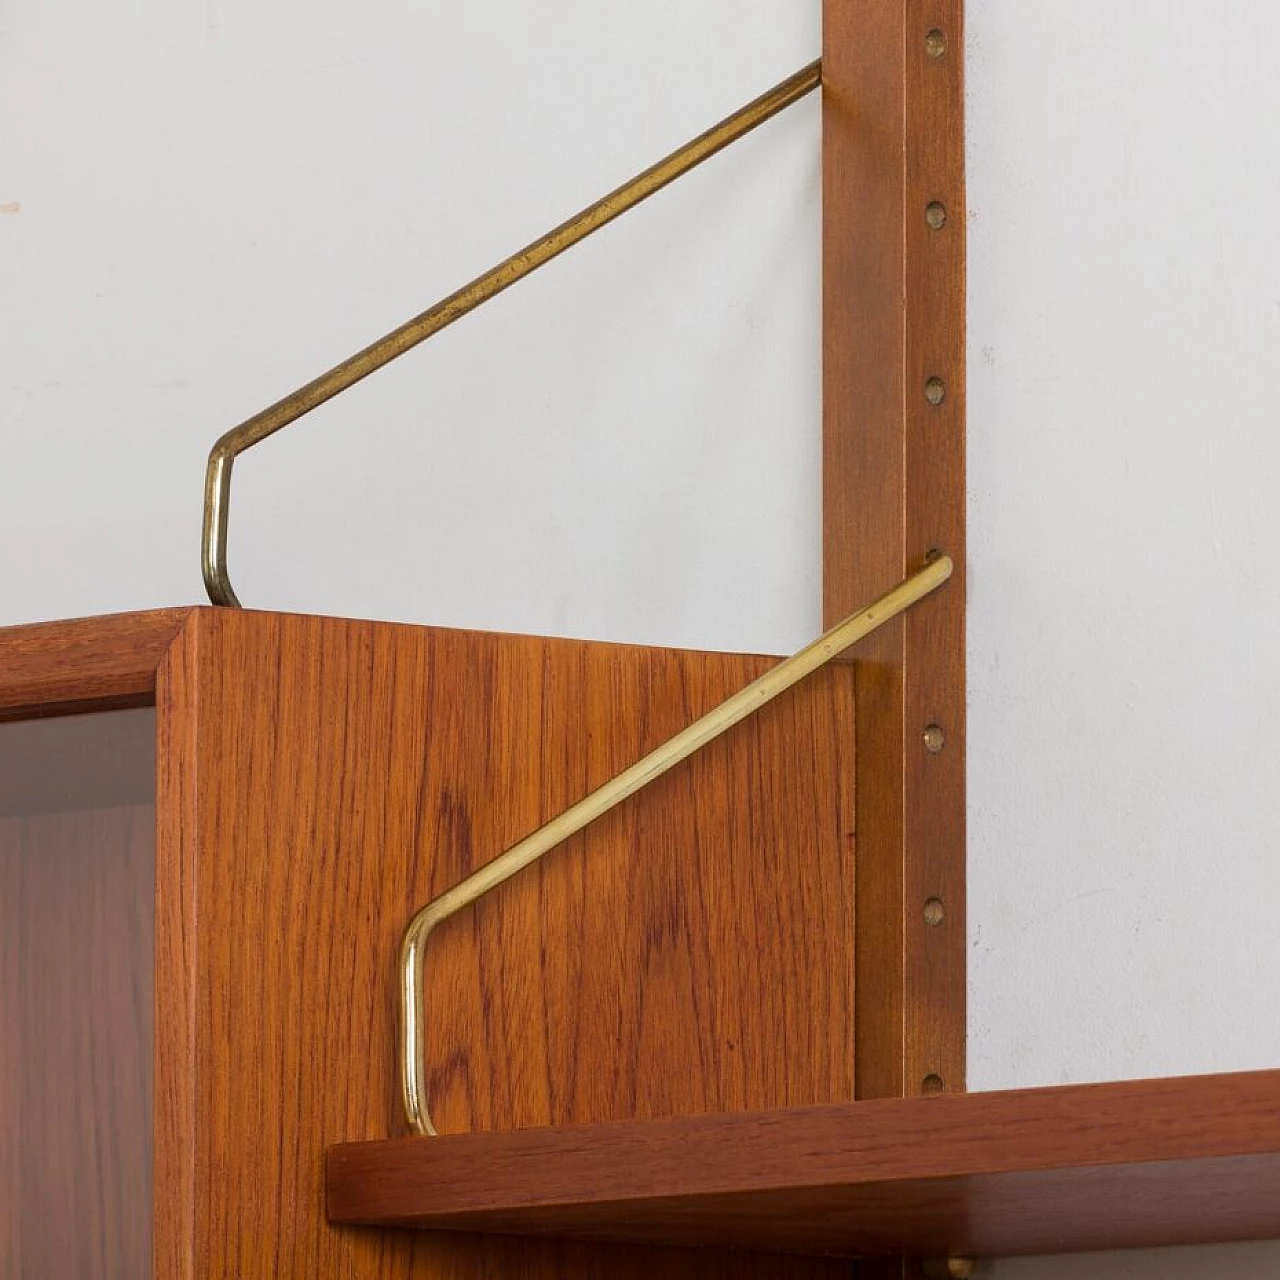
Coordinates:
935 391
932 1083
934 739
217 488
936 215
741 705
934 912
935 43
950 1268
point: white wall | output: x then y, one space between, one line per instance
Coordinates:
1124 672
207 203
218 201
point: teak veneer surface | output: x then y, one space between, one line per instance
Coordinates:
893 491
893 317
1156 1162
321 779
88 664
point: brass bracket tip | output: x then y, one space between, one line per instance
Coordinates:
951 1268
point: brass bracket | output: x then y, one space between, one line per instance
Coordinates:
746 702
951 1268
217 487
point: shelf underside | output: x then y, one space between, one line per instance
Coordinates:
1153 1162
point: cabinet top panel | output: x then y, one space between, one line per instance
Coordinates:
110 662
86 664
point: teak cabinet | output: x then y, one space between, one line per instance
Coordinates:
205 871
214 826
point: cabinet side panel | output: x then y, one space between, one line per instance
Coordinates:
177 1224
691 952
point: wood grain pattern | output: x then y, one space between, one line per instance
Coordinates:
1155 1162
177 1051
324 778
893 298
75 1052
83 665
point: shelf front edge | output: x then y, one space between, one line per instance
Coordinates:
1138 1163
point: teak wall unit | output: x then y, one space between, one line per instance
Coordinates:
730 1014
177 1073
316 779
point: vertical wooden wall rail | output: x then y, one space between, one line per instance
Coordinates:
894 351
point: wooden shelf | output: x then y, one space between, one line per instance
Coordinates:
1152 1162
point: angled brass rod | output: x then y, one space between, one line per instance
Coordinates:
741 705
217 488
